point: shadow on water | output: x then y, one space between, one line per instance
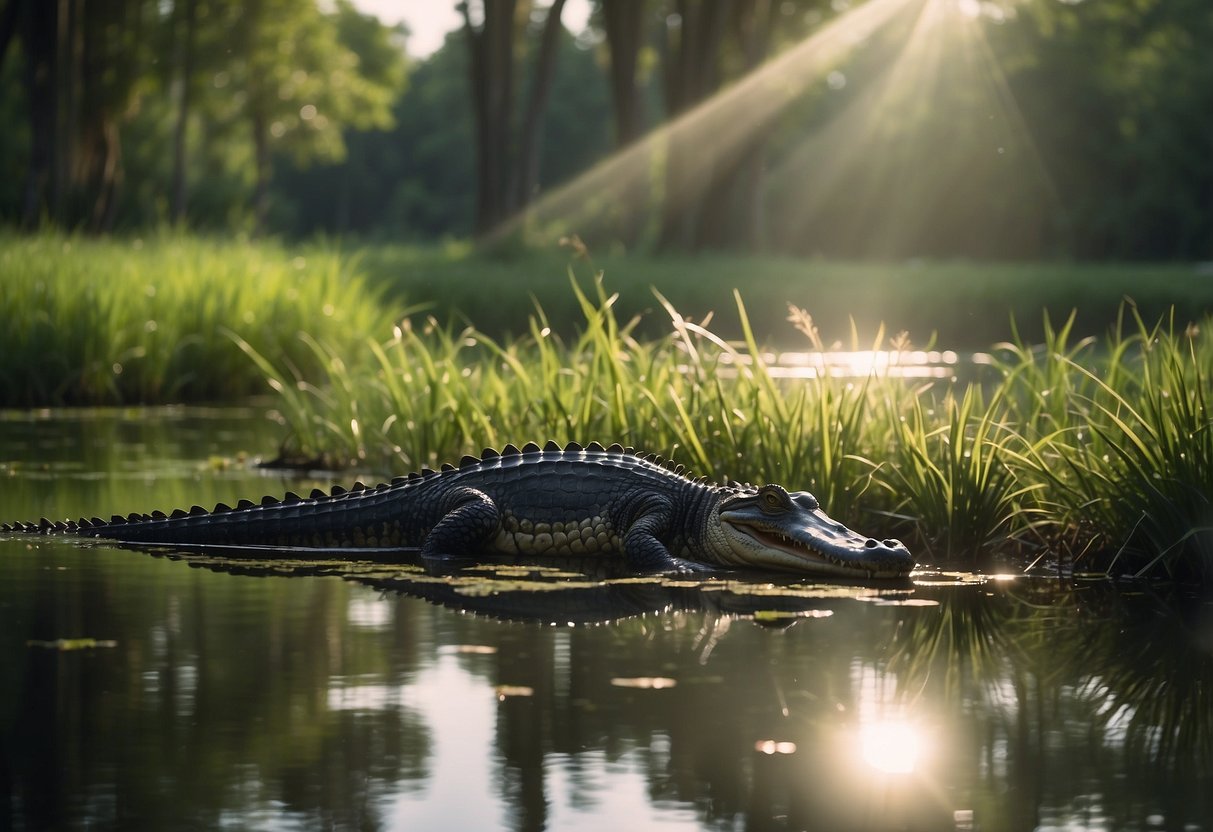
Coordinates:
281 693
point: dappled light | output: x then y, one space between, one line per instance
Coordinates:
924 130
714 131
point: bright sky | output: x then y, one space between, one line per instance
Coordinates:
430 20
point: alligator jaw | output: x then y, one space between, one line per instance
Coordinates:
823 556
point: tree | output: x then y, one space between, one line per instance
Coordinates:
623 22
731 213
8 26
83 62
1120 99
302 87
506 164
526 167
185 30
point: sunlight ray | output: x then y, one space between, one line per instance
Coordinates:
720 126
931 137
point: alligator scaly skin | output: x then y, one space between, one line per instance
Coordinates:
550 501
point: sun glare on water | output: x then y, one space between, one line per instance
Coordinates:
891 746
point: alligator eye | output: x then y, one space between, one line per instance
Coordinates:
773 498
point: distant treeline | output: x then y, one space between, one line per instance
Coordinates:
981 128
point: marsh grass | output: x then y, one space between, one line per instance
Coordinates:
1133 471
112 321
1098 449
968 304
1101 451
951 465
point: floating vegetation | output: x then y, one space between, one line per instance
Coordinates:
773 616
643 682
64 645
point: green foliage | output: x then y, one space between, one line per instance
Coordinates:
1099 448
1072 129
92 321
1130 471
1118 96
1116 471
304 84
417 180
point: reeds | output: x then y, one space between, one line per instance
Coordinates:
110 321
1098 450
1102 452
1131 474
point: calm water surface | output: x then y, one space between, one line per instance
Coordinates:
294 695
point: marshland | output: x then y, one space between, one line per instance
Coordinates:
1000 354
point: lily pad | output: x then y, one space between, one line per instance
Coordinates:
766 616
65 644
644 682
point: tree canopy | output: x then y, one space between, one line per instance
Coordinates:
885 128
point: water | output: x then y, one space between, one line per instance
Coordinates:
220 693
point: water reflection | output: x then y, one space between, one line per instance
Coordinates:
1004 705
305 694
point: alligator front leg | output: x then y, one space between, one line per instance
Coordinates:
642 542
469 521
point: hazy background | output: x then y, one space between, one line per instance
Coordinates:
1000 129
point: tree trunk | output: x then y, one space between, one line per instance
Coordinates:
39 41
491 49
526 164
188 38
692 74
755 31
261 160
8 26
108 178
625 32
731 211
624 21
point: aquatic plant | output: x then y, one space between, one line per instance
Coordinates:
950 468
1134 466
1101 451
147 320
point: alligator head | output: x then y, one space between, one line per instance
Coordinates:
773 529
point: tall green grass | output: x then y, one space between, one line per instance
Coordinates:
1131 472
1096 449
1102 451
109 321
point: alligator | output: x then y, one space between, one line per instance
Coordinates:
549 501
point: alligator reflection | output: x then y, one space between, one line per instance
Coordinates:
556 591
